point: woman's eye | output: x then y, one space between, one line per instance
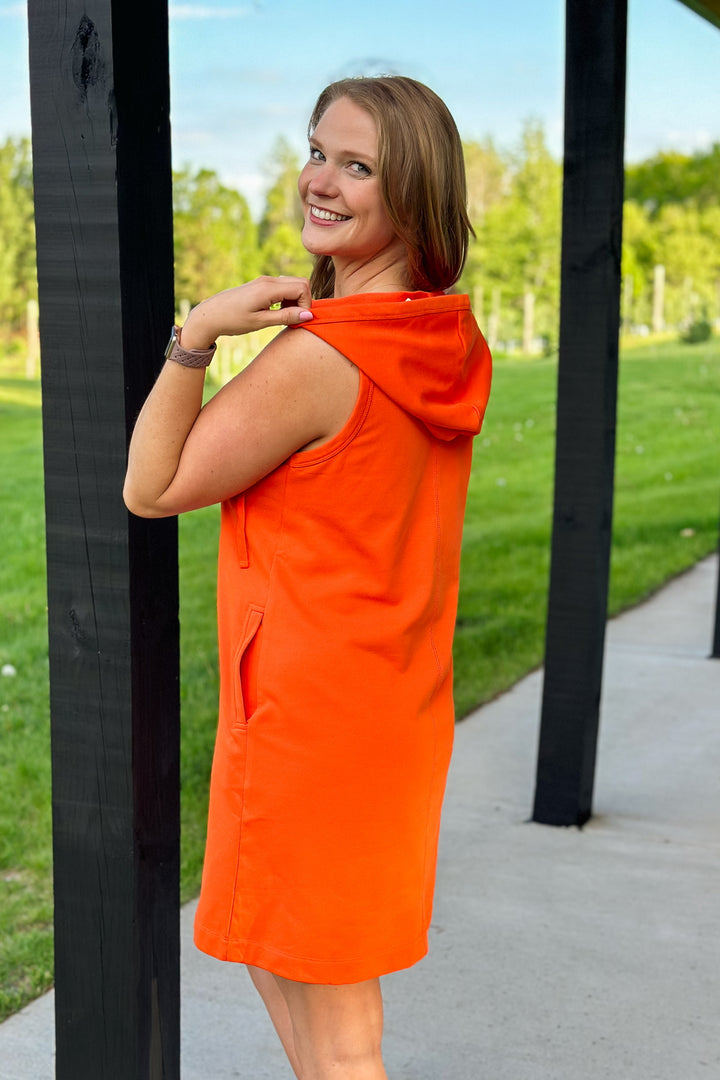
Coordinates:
359 168
315 154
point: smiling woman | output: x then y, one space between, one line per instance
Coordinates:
341 457
345 216
418 165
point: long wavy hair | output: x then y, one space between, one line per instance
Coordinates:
422 177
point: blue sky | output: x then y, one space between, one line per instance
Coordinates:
245 72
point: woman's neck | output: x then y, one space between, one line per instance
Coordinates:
379 275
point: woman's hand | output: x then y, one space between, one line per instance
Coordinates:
246 308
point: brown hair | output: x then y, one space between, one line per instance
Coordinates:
422 176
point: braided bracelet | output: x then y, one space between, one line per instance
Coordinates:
197 358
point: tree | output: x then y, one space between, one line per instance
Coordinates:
518 234
486 173
687 244
639 257
18 274
215 236
281 250
670 177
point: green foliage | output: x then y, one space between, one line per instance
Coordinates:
685 240
18 275
669 177
515 203
283 253
215 236
217 244
486 178
697 332
672 218
281 250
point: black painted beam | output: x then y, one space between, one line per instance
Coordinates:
586 409
101 150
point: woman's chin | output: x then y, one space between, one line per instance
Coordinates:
312 244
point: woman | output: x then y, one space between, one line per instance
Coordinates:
341 457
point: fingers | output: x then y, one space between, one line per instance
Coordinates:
293 296
292 316
266 301
292 292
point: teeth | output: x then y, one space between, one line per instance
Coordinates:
326 215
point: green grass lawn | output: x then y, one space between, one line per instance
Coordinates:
666 518
667 481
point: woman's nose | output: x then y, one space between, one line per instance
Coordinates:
323 180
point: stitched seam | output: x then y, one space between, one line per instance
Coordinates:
438 681
227 940
329 316
325 453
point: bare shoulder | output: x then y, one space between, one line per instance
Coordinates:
311 377
296 395
296 349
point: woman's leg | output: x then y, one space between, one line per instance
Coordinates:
267 986
337 1029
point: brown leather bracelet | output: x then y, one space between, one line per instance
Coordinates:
196 358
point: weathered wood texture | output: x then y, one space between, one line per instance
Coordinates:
587 393
101 148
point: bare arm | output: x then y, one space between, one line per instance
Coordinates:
297 391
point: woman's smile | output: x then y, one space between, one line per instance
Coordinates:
326 216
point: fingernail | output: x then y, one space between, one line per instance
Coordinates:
305 316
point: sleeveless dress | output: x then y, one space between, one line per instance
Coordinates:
337 596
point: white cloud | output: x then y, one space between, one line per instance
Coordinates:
688 141
202 11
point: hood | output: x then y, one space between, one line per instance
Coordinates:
424 350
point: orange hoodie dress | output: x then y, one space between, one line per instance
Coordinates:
337 596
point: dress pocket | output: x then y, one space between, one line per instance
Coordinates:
247 659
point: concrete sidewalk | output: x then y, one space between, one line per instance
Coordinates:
555 953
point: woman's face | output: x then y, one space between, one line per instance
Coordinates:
345 216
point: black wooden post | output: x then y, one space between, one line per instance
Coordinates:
587 392
101 147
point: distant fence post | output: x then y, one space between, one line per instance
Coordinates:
32 355
528 321
587 393
658 303
101 153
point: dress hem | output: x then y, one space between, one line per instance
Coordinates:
305 969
